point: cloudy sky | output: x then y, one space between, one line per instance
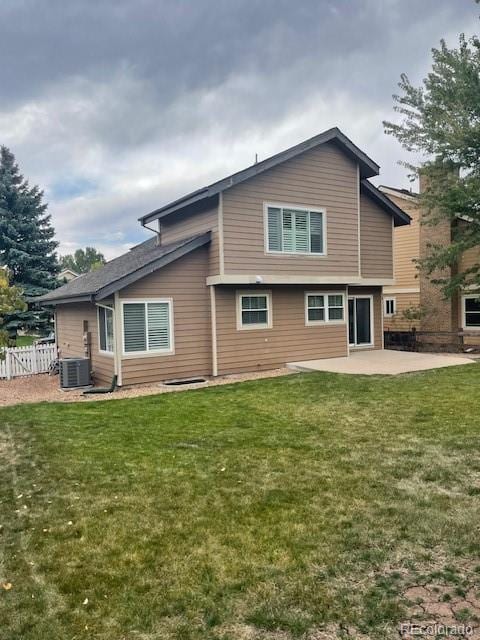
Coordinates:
116 107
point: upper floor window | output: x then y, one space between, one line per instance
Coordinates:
295 230
471 312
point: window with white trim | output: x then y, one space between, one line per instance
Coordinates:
105 329
295 230
254 310
389 306
471 312
147 327
324 307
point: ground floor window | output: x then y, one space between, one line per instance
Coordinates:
147 327
323 307
254 310
389 306
105 329
471 311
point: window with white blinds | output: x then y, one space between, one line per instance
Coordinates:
147 327
295 230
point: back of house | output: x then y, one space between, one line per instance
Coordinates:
284 261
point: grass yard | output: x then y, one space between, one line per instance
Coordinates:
282 508
25 341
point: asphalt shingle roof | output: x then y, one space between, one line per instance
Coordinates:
118 269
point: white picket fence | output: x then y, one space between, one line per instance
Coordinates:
27 361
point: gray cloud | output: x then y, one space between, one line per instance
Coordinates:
115 107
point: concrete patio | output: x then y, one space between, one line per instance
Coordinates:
386 362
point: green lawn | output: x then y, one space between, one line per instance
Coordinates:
25 341
269 509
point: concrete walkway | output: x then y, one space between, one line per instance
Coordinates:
385 362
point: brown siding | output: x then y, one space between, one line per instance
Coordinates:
322 177
176 227
69 328
288 339
469 258
376 292
406 245
375 240
403 302
184 281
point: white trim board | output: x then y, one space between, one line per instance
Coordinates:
213 317
392 290
300 279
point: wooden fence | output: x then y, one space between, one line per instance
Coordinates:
27 361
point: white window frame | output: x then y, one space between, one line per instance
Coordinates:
301 207
363 345
110 354
389 299
465 297
149 353
255 293
326 320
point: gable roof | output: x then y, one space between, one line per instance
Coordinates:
400 217
368 168
405 194
124 270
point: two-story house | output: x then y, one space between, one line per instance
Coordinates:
413 300
283 261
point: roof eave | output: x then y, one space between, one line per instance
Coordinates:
149 268
64 299
400 217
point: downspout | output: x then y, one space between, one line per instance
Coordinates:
158 231
117 354
213 316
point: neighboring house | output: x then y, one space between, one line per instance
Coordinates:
66 275
414 291
283 261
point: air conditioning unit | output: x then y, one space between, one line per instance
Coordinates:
74 372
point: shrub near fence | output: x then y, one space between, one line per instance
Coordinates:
27 361
431 341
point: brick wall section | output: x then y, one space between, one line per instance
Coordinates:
440 312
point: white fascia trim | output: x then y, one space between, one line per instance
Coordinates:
401 290
307 280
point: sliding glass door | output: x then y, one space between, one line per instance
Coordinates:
360 316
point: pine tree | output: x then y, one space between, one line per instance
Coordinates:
27 245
